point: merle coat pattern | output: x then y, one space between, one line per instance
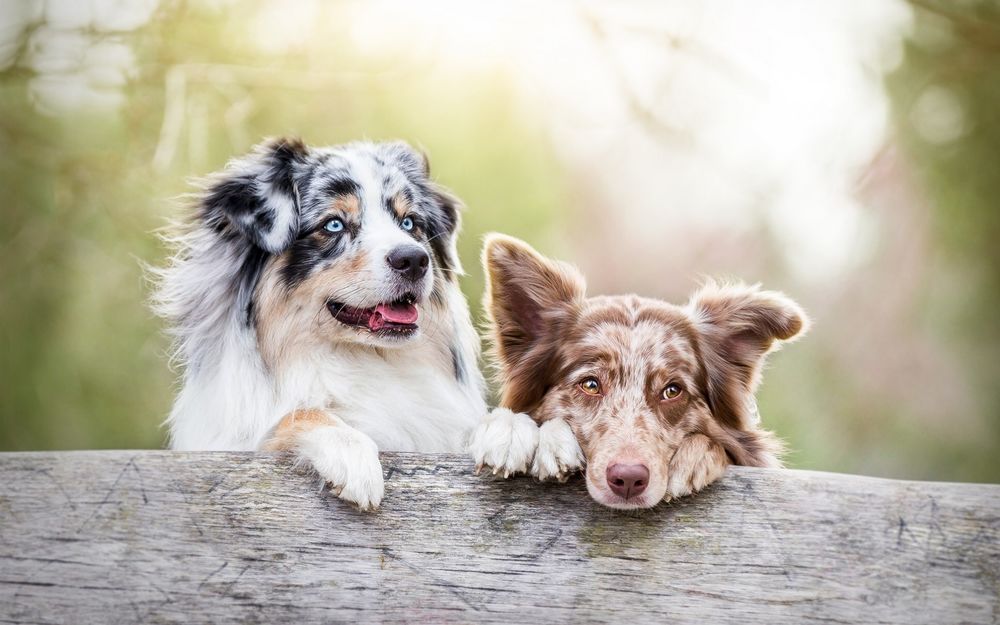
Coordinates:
650 400
313 299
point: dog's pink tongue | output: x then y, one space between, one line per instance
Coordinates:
394 313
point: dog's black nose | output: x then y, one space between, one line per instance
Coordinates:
409 261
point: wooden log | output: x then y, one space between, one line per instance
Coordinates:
165 537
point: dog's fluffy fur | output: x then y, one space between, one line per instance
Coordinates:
294 327
625 381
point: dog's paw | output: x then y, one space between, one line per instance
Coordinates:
505 441
558 455
347 460
698 462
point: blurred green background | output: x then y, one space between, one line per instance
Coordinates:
848 156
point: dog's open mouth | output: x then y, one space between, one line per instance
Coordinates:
396 317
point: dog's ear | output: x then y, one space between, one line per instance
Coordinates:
737 326
444 222
531 301
442 230
255 196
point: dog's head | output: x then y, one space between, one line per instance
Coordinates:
632 376
343 244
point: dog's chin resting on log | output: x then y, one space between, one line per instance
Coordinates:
651 400
314 302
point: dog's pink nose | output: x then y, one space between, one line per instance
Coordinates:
627 480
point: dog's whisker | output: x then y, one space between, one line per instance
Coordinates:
437 236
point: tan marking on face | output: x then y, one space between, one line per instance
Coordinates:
346 205
355 264
291 320
293 425
400 205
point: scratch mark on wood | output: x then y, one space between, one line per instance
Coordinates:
142 482
440 582
411 472
114 486
542 549
213 573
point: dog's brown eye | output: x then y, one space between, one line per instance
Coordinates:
672 391
590 386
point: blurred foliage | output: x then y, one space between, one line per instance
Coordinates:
945 98
954 55
84 363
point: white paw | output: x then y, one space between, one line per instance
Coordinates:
559 454
348 461
505 441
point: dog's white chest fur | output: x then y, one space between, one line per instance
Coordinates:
404 400
401 399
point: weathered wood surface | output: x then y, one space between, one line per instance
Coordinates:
154 537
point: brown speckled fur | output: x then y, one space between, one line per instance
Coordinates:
547 336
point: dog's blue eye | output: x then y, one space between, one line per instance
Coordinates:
407 224
334 225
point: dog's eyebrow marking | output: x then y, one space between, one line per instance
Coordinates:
593 356
348 205
341 186
398 205
396 193
683 361
662 373
575 374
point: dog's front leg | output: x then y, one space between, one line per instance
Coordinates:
698 462
344 457
505 441
558 455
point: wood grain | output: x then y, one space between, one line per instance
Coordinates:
166 537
